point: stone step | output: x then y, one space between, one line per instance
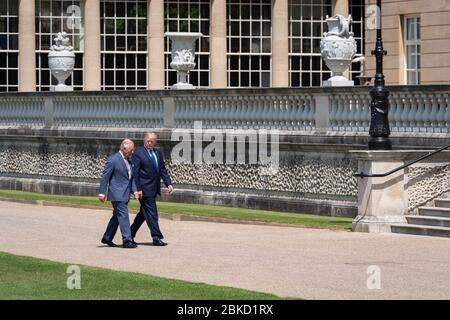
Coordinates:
443 203
429 221
419 230
434 212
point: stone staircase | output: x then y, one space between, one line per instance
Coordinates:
431 221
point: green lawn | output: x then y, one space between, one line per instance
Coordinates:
310 221
31 278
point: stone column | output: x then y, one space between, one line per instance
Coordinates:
155 45
218 50
92 53
27 46
382 202
342 7
280 44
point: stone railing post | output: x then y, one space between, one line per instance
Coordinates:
322 115
48 111
168 112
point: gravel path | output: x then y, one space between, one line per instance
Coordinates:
291 262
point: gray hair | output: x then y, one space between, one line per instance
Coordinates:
126 144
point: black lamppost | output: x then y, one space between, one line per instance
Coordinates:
379 123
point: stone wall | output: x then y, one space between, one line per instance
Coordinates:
426 182
315 170
311 178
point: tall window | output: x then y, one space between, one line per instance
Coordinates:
9 45
357 10
123 44
306 27
411 33
188 16
249 46
53 16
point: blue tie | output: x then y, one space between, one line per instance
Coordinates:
153 160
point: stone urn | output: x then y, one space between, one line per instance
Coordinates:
338 49
61 61
183 56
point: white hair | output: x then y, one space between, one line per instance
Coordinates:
149 134
126 144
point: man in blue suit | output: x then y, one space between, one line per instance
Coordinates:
118 178
148 170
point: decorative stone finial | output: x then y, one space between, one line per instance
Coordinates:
61 42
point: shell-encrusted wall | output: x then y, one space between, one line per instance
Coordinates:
305 176
427 182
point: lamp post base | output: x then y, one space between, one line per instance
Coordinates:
380 143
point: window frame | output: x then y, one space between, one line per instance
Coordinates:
123 57
200 76
11 52
245 73
415 43
42 51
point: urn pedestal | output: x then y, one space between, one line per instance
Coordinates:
183 56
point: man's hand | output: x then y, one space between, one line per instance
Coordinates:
101 197
138 195
170 189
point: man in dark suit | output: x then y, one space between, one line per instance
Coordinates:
148 170
118 178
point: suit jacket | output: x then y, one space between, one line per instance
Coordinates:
115 177
147 177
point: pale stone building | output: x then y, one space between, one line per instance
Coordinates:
416 34
120 44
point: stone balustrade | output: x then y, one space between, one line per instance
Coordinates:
107 111
58 142
22 111
285 112
409 112
421 109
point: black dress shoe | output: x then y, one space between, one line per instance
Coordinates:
159 243
134 242
109 243
129 245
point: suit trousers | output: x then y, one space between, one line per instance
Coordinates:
148 213
119 218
